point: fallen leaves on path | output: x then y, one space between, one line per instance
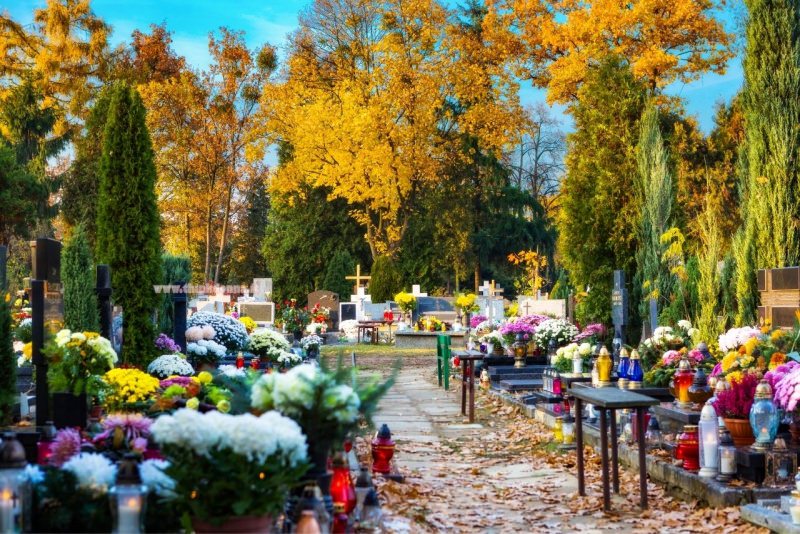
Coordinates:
508 477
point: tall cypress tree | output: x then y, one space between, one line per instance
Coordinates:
77 273
340 266
128 220
655 196
771 159
8 363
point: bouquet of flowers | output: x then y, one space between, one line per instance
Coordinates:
24 331
735 403
746 359
311 342
493 338
735 338
559 330
487 325
662 372
293 317
565 355
466 302
773 376
128 389
316 328
476 320
533 319
592 333
324 403
268 344
429 323
249 323
509 331
287 360
123 433
206 351
320 314
199 392
405 301
231 465
228 331
167 344
77 361
169 365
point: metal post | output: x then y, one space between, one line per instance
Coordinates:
179 303
103 290
39 360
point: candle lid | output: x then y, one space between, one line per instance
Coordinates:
623 353
634 354
763 390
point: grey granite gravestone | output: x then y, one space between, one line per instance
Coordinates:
619 305
441 307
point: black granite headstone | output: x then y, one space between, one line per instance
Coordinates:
47 261
432 305
38 359
619 305
348 310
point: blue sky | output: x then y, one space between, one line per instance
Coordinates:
270 21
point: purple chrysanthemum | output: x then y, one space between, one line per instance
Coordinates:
66 444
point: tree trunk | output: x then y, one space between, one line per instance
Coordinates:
223 238
207 268
477 275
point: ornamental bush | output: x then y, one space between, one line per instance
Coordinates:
227 331
338 268
385 280
8 364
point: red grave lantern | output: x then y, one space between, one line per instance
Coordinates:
382 451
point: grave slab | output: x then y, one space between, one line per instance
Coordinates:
520 385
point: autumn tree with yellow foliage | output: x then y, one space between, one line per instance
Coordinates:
366 103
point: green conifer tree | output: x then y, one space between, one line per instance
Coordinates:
128 220
385 280
8 364
340 266
78 277
770 176
655 196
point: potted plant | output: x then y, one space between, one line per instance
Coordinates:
232 473
733 405
495 340
293 318
311 345
785 382
201 348
269 344
77 361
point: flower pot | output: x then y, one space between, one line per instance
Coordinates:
243 524
741 432
298 335
497 350
70 411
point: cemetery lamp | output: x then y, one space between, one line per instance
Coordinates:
128 498
727 456
577 364
622 368
551 351
520 347
652 437
780 464
683 380
363 486
371 515
382 450
556 387
764 417
558 430
568 429
604 365
12 463
709 441
635 372
342 490
688 448
44 446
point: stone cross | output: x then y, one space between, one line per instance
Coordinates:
491 292
358 278
527 307
360 298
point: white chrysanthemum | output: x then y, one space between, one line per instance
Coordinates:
186 428
683 323
78 336
169 365
33 474
231 371
63 337
154 477
585 349
94 471
261 394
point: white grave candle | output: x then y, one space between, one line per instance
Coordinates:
130 508
6 511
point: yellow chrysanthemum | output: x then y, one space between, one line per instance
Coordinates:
750 345
27 350
205 377
734 376
728 361
776 335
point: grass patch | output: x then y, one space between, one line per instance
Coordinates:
364 349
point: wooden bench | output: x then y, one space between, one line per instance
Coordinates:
611 399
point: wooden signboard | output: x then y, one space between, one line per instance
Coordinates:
780 295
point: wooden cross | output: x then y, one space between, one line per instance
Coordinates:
358 278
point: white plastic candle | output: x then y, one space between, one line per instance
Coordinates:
795 511
6 511
129 509
710 451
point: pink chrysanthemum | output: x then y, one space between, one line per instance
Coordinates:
66 444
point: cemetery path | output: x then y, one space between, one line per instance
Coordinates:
502 474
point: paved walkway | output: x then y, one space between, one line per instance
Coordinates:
503 474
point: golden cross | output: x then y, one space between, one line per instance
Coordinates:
358 278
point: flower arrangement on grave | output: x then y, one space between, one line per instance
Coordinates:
227 466
592 333
268 344
311 342
24 331
467 302
292 317
510 330
735 338
199 392
316 328
201 347
665 338
430 323
228 331
327 404
565 355
123 433
320 314
287 360
660 374
128 390
735 403
166 344
25 353
487 325
494 339
77 360
533 319
248 322
169 365
786 387
476 320
558 330
405 301
20 311
511 311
